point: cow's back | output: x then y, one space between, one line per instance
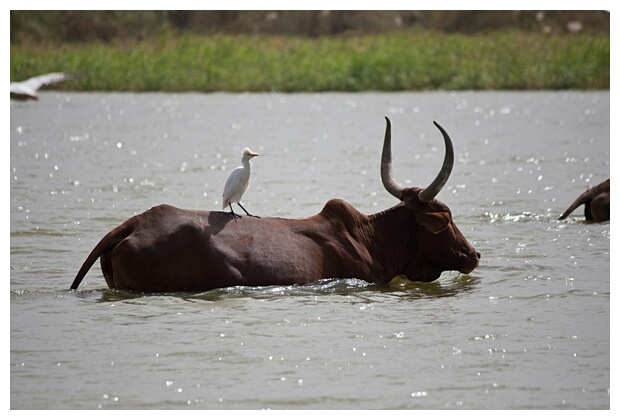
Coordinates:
172 249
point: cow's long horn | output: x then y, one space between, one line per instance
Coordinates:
386 163
433 189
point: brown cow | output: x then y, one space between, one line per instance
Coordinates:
596 200
167 249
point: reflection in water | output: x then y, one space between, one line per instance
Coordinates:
463 283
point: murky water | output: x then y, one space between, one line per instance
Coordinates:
530 328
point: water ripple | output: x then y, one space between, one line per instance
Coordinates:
400 287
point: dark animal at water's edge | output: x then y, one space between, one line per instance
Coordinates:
597 203
28 89
167 249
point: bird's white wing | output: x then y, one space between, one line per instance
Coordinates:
46 79
231 186
28 88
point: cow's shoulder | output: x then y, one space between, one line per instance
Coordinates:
338 211
339 207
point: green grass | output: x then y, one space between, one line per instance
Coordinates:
414 60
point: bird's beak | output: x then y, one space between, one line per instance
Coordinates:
254 154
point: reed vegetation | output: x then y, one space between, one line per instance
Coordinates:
392 61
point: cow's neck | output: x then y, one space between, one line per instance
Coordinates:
389 241
379 244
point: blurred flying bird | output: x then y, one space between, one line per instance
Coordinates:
238 182
28 88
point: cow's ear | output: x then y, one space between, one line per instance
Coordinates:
434 222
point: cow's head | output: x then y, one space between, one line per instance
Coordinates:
439 245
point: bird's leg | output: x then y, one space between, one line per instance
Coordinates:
246 212
235 215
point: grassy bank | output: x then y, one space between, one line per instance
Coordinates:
404 60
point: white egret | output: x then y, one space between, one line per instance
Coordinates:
237 183
27 89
